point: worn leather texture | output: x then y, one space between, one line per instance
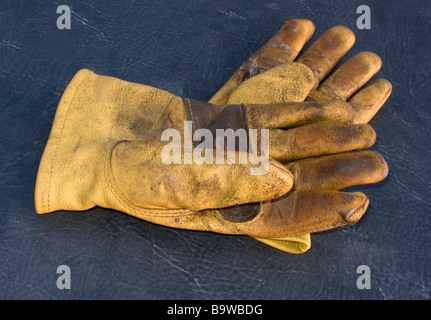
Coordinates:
191 48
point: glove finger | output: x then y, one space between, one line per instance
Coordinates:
296 213
319 139
369 100
335 172
350 76
295 114
282 48
327 51
301 212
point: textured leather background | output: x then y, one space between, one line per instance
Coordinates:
190 48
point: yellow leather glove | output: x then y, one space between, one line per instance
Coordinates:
325 173
108 143
321 57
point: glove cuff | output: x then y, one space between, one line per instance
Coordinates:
46 193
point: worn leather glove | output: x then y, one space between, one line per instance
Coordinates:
321 57
324 173
108 143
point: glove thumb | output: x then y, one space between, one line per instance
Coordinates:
152 184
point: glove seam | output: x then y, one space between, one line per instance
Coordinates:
187 104
335 95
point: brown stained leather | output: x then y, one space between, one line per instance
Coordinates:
282 48
209 116
305 141
366 102
278 50
320 139
111 162
284 83
295 213
346 83
321 57
105 150
339 171
242 212
212 117
315 210
296 114
288 122
350 77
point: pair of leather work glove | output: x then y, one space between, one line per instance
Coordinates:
155 156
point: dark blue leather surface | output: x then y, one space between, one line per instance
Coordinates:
191 48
